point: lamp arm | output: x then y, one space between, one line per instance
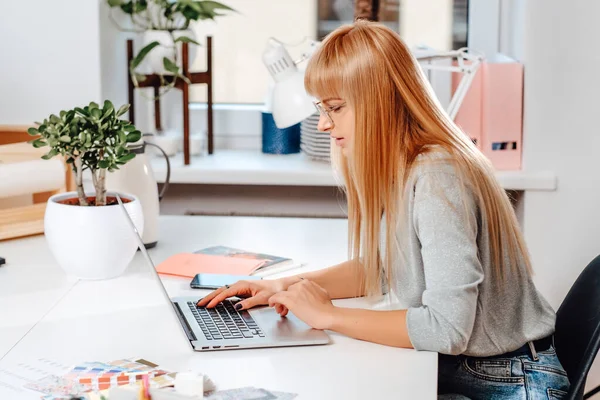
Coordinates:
459 94
467 63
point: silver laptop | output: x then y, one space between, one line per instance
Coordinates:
224 328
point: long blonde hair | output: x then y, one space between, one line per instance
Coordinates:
397 117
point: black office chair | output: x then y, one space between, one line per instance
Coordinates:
577 336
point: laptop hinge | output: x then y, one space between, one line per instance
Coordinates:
184 323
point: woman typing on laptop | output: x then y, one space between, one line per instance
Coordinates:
428 223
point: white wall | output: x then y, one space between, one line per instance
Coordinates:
512 25
561 134
50 58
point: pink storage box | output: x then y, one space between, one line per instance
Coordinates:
492 111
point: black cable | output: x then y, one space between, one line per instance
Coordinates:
591 392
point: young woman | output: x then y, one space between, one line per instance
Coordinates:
428 222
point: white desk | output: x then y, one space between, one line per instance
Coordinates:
73 321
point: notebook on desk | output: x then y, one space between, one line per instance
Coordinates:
225 328
224 260
187 265
268 264
266 260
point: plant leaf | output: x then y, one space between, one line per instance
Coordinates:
65 139
170 66
33 132
108 109
186 40
122 110
127 7
134 136
140 5
82 111
115 3
96 113
50 154
194 5
126 157
104 164
210 6
38 143
142 54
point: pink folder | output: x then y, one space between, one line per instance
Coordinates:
189 264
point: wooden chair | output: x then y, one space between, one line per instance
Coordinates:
27 219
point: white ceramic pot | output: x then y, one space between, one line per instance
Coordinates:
153 63
92 242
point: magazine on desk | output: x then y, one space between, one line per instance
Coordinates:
271 264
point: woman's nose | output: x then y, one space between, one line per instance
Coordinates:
324 124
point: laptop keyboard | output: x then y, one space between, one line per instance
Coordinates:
224 322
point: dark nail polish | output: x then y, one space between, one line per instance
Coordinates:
238 306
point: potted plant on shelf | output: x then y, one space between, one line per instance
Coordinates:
87 233
164 24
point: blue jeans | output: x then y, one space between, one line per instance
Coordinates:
500 377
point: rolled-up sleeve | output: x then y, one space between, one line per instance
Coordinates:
445 219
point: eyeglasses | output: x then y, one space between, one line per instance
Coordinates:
323 110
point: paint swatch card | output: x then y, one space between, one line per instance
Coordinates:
91 369
58 386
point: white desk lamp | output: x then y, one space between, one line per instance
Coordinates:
290 102
466 62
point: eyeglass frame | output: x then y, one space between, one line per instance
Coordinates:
325 111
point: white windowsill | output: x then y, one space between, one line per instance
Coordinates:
243 167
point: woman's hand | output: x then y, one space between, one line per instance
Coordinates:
255 293
308 301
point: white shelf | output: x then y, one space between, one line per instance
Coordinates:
244 167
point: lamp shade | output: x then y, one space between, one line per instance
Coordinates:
290 102
291 105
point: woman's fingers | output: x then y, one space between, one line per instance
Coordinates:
217 296
284 311
225 294
251 302
206 299
282 298
279 308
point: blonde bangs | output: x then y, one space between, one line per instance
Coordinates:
324 74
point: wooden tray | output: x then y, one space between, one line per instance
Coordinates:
24 220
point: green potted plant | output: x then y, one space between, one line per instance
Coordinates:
164 24
88 233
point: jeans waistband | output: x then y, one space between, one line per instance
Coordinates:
532 348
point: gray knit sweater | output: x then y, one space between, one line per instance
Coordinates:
455 306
